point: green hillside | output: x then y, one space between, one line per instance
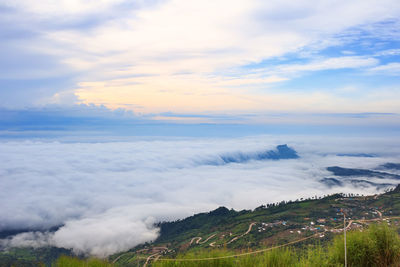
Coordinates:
377 245
316 220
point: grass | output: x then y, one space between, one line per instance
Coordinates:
277 258
379 246
66 261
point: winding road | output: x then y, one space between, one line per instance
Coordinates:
248 231
197 238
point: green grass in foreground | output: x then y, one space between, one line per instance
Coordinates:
377 246
65 261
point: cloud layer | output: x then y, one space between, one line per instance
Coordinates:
106 196
190 56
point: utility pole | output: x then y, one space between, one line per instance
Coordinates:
344 231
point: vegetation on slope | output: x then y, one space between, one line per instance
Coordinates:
377 246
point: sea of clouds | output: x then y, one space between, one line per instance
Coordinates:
106 197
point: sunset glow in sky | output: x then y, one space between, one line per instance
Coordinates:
202 57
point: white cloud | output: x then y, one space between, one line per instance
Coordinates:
389 52
164 38
113 231
331 64
288 71
107 195
185 36
53 9
387 69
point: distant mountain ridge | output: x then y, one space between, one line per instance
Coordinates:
358 177
339 171
362 155
390 166
281 152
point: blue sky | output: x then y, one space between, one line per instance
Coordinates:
195 62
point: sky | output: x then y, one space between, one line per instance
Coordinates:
203 61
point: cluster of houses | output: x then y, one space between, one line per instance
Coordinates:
319 224
264 226
312 226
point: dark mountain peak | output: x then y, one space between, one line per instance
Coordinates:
281 152
285 150
282 147
221 211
